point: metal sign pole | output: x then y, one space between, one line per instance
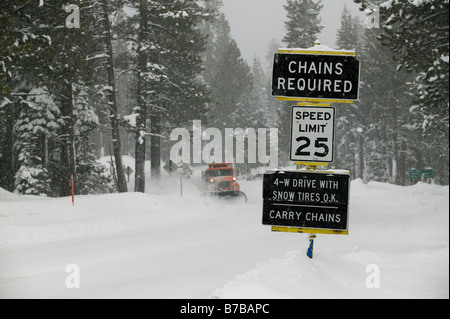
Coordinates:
314 78
312 236
312 167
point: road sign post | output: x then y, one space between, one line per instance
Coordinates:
128 172
311 201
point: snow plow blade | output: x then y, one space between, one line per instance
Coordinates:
228 194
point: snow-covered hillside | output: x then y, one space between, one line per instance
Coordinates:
162 245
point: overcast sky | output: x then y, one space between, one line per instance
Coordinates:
254 23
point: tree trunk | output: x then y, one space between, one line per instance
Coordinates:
10 158
64 182
139 171
141 120
112 101
44 150
402 165
68 142
72 147
361 156
155 147
395 146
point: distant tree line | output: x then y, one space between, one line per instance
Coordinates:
136 69
401 119
133 70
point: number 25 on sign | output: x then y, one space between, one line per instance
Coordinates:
312 134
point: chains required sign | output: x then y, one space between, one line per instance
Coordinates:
312 134
319 76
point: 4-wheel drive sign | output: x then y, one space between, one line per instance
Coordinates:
312 134
306 199
316 76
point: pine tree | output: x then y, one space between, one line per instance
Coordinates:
66 65
349 118
185 93
8 115
231 80
22 42
273 105
93 178
388 137
111 93
39 124
302 30
166 48
303 23
258 115
348 34
48 54
209 29
416 32
22 39
260 111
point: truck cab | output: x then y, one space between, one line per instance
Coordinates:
220 177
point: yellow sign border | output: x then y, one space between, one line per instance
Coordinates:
315 100
284 229
315 52
312 163
328 171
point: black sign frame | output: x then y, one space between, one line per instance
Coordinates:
326 74
305 199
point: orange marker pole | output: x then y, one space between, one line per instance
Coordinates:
71 183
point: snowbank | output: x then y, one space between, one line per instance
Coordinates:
163 245
35 220
401 231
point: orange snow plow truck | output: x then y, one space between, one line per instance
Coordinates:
219 180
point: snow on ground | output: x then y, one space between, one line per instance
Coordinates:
162 245
404 231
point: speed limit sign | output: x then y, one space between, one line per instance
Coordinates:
312 134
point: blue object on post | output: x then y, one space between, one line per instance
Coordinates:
310 249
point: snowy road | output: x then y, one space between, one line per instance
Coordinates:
161 245
188 259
